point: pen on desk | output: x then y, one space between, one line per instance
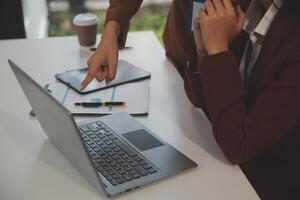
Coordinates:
99 104
123 48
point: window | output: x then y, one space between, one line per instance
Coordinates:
151 16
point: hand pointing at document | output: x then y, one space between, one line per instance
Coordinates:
103 63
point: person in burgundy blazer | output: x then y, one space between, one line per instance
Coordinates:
257 127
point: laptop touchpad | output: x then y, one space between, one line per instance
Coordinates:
142 140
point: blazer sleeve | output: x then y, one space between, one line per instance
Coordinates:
122 11
244 132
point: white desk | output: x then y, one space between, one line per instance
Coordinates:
32 168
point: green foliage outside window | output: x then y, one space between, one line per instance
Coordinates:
150 17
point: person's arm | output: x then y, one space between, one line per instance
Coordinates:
122 11
242 133
103 63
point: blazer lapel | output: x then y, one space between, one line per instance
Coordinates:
276 35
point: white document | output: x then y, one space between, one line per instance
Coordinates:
135 95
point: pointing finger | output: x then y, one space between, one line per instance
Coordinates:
89 77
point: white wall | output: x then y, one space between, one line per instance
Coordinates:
35 18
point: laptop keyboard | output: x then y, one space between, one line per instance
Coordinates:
114 159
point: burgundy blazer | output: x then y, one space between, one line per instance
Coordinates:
257 127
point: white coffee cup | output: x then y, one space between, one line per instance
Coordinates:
86 28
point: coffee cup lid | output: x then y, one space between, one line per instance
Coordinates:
86 19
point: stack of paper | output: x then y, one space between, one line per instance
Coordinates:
135 95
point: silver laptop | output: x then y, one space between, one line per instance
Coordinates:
115 153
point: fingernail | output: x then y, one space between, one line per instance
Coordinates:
107 82
81 87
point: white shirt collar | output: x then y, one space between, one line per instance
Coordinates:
255 23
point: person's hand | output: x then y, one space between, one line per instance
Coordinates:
103 63
197 35
220 22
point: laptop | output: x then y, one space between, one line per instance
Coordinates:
115 153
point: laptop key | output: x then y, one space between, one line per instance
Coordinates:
92 128
146 166
93 145
111 153
134 174
112 137
116 149
99 160
115 157
125 156
89 133
105 156
127 177
95 156
113 163
128 168
107 133
125 147
109 178
89 142
133 163
97 149
118 160
113 182
106 150
108 142
142 162
98 132
151 170
107 168
99 124
109 159
84 128
96 139
93 136
121 171
103 146
100 169
100 152
141 171
100 142
120 153
115 176
112 145
123 164
120 180
137 158
129 159
117 167
111 172
102 164
89 149
104 173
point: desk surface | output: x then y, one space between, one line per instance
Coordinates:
32 168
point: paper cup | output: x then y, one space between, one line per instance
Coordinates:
86 28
